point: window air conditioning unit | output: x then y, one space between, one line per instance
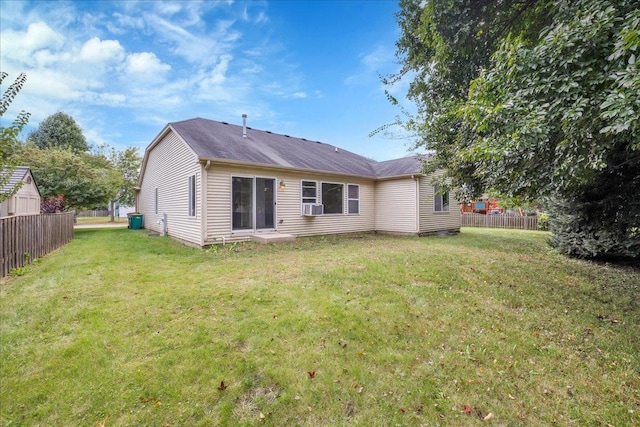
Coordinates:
312 209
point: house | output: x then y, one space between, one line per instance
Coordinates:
27 200
206 182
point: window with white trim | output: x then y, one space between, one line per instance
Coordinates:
309 192
192 195
333 198
440 200
353 198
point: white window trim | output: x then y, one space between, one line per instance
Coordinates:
156 200
302 198
350 199
441 196
192 196
253 202
322 201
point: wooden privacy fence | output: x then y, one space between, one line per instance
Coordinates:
500 221
28 237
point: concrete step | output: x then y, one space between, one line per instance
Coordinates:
273 237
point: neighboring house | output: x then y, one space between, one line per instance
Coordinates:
27 200
206 182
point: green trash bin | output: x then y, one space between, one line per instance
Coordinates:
135 221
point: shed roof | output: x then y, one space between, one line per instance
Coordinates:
19 174
213 140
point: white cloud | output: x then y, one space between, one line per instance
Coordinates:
111 99
145 63
299 95
121 23
96 50
20 45
380 56
218 74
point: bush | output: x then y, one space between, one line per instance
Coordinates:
578 232
543 221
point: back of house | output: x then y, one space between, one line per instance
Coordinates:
206 182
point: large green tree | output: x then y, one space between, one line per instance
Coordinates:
59 130
9 136
86 180
547 109
127 163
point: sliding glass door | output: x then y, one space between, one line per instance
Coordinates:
253 203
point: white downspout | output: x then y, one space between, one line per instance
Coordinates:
417 181
203 201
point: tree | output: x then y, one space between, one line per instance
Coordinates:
127 163
59 130
551 112
9 136
84 180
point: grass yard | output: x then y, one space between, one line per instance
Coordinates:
488 327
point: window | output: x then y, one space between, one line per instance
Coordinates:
440 200
309 192
156 200
242 203
192 195
332 198
353 198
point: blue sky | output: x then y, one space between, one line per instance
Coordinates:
123 70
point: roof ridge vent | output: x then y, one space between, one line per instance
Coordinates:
287 136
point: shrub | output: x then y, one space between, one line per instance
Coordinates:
578 231
543 221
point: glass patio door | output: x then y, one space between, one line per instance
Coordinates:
253 203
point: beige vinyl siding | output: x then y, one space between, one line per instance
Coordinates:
431 221
289 217
395 207
169 165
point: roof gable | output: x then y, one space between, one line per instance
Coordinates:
20 173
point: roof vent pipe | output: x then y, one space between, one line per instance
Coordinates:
244 125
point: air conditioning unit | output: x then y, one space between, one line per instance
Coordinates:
312 209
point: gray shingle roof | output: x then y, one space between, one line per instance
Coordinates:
400 167
212 140
18 175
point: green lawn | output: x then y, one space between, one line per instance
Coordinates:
119 328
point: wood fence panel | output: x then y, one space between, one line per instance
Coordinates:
28 237
500 221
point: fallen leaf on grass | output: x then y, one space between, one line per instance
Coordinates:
157 404
467 409
488 417
222 386
312 374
